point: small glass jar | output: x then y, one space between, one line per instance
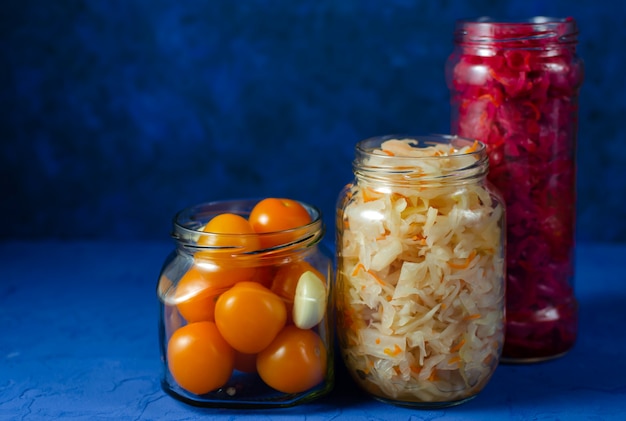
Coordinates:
514 86
245 327
420 270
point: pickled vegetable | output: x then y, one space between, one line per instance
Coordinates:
420 291
515 87
245 296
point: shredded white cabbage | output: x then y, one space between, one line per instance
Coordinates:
420 291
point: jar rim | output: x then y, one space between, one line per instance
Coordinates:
516 32
465 160
188 222
421 141
533 20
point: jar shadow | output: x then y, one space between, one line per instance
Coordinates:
586 374
583 379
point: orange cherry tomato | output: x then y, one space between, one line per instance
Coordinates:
265 275
294 362
236 230
228 230
275 215
196 294
287 277
249 316
199 358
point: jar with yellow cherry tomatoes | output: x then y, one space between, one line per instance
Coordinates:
245 314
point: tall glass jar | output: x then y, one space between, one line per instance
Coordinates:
420 270
245 319
514 86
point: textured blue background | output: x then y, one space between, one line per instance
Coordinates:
116 114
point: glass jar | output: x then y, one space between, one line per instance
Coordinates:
514 86
420 270
243 326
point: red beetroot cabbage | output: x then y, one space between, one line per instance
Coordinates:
515 87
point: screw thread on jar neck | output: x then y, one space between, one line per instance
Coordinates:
534 33
463 161
188 228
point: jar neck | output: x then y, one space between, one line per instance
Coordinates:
191 239
538 33
454 160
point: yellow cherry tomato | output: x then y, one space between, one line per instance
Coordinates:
199 358
273 215
234 235
294 362
249 316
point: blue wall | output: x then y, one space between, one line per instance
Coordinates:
116 114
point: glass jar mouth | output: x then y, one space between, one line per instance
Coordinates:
457 143
460 158
527 33
188 224
533 20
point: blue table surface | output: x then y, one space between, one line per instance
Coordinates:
79 342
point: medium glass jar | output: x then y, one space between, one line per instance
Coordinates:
514 86
245 319
420 270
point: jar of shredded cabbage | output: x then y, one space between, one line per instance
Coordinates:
514 86
420 270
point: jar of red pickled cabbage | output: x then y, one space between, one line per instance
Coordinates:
515 86
244 297
420 270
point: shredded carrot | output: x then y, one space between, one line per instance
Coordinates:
397 196
388 152
458 346
420 239
383 235
357 268
473 147
433 376
369 195
491 99
377 341
465 264
471 317
396 351
376 278
415 369
454 360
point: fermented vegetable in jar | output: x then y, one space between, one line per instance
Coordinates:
514 86
420 270
244 302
